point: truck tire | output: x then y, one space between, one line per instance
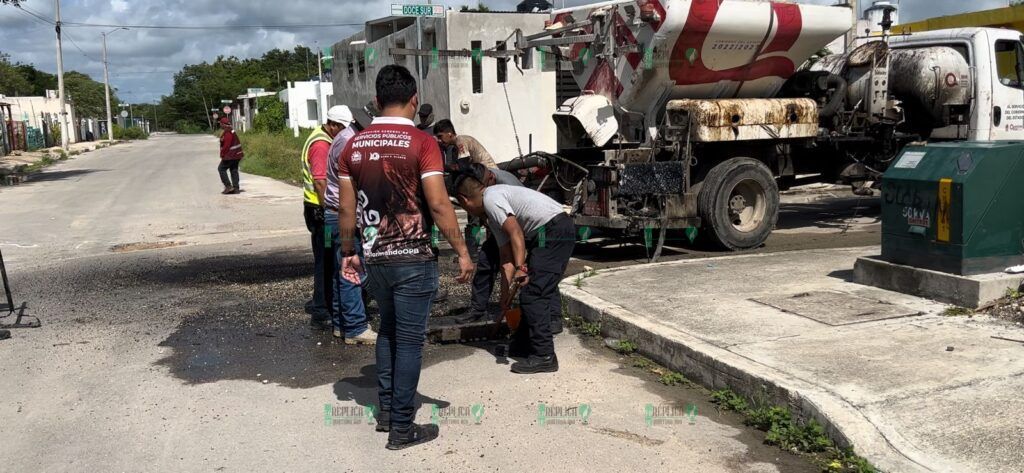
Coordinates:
738 204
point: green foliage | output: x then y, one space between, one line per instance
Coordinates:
130 133
957 312
643 363
186 127
55 132
271 117
673 378
480 7
592 329
729 401
809 437
625 347
12 81
87 95
765 417
274 155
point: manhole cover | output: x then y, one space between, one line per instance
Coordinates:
836 308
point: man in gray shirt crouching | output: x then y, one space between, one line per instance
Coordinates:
535 239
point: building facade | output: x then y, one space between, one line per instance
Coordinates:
488 98
300 99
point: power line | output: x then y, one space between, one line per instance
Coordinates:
218 27
36 15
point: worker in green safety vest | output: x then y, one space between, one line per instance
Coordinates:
314 185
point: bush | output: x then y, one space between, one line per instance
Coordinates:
274 155
133 133
271 116
186 127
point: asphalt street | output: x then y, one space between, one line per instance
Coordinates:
173 338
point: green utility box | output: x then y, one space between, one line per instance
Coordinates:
955 207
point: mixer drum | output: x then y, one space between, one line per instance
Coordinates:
700 49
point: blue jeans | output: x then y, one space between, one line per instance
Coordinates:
404 293
349 313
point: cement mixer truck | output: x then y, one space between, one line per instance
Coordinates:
695 113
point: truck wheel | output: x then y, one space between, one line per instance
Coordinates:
739 204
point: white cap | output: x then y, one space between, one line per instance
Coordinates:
340 114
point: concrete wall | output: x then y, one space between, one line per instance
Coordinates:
447 83
36 109
296 98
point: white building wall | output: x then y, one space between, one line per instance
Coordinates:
447 84
486 116
33 109
297 97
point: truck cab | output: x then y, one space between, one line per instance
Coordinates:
996 60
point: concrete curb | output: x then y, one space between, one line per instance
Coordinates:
718 368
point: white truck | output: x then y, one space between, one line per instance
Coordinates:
694 113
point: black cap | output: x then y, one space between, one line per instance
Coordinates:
426 109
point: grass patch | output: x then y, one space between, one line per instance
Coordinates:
788 434
625 347
642 362
957 312
673 378
274 155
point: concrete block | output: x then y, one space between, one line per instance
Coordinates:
964 291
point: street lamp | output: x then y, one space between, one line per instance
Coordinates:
106 83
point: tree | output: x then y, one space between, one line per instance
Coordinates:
12 81
480 7
87 95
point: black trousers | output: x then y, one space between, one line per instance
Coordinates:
488 269
323 271
547 258
224 167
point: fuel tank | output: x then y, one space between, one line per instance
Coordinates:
697 49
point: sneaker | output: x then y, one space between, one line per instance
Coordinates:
536 364
414 435
383 421
337 333
368 337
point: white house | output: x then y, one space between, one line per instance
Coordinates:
40 111
243 115
471 91
301 102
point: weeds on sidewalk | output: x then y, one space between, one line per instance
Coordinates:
783 431
274 155
625 347
958 312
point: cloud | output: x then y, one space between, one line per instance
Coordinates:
136 54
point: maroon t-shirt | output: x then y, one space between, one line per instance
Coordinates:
387 163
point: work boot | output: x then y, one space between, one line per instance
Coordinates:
368 337
536 364
473 316
235 190
337 333
413 435
383 421
227 190
320 321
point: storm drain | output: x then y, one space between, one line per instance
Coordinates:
836 308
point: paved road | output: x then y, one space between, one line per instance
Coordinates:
173 339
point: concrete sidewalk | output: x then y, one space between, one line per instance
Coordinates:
15 163
911 389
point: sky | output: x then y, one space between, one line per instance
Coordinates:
143 61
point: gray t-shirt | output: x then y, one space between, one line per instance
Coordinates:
331 194
505 177
531 209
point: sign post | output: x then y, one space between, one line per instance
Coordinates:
419 11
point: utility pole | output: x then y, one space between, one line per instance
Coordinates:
319 80
65 138
106 84
851 36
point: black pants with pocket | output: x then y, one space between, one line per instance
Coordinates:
548 256
224 167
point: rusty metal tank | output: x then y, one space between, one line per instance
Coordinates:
926 80
698 49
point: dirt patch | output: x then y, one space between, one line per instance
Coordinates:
1009 308
139 246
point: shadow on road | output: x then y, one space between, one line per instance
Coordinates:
50 176
362 389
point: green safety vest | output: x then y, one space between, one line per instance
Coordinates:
308 191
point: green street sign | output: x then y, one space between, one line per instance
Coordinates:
424 10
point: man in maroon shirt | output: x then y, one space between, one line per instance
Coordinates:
392 174
230 155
